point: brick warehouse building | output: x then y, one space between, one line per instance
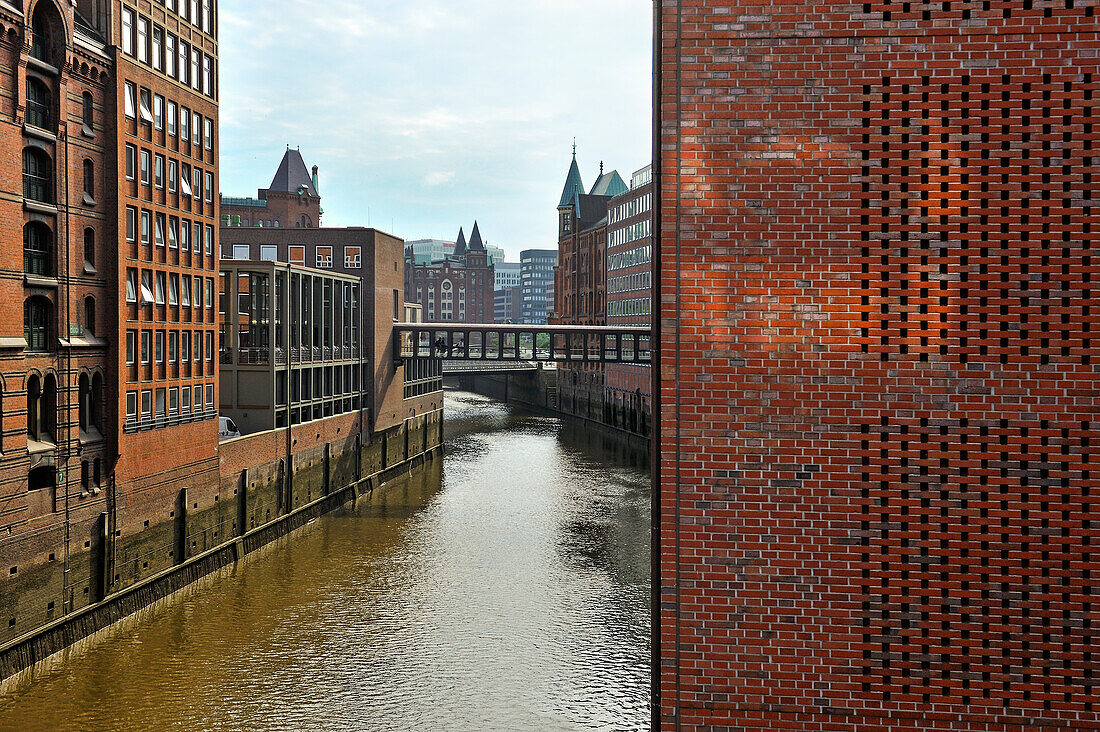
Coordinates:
293 200
91 91
458 289
877 387
580 279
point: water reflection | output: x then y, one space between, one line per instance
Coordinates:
503 587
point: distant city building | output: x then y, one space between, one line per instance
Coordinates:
580 279
427 251
508 305
291 201
457 289
506 274
537 283
629 295
496 254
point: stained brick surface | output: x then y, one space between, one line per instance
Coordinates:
877 378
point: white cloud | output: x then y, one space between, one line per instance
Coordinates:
439 178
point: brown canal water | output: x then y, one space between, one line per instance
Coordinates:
504 587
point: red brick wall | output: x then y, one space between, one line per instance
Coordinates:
876 385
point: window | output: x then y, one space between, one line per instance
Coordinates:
131 162
143 40
209 340
131 285
209 186
352 257
38 104
185 392
185 343
159 352
147 288
208 133
37 175
161 393
196 188
209 395
184 52
173 400
185 235
158 47
197 402
36 324
196 128
128 31
160 288
145 104
198 292
196 75
158 171
146 227
173 289
89 247
207 17
147 404
131 407
173 346
185 124
160 230
196 18
170 55
207 76
89 315
196 349
131 347
324 257
241 251
145 164
269 252
173 177
37 249
158 112
196 236
185 180
297 255
89 182
185 298
173 232
210 294
131 100
146 346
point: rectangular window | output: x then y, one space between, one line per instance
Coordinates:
209 396
145 156
196 348
172 113
174 289
173 177
185 296
160 288
158 47
185 235
185 345
160 347
146 346
160 399
131 100
324 257
184 53
241 251
158 171
209 294
207 17
209 340
143 40
173 346
145 105
170 56
131 407
196 187
146 227
297 255
197 402
173 400
352 257
209 239
131 347
131 224
173 232
185 392
198 296
131 285
147 287
131 162
196 18
207 76
185 179
209 187
158 112
196 132
185 124
128 31
159 241
147 404
196 75
196 236
269 253
208 133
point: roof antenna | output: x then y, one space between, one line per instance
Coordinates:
574 147
601 167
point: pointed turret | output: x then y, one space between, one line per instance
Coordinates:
460 245
573 185
292 175
476 245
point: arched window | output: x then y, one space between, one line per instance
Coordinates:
96 475
89 246
85 476
37 175
34 401
96 406
38 104
89 315
36 324
86 113
85 398
48 418
89 179
37 249
48 33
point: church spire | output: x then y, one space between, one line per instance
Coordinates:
573 185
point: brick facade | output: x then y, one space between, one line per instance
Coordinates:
457 290
877 398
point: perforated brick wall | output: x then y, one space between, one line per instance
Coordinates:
878 391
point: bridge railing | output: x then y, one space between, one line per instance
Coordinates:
560 343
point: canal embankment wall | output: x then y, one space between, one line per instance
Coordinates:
270 486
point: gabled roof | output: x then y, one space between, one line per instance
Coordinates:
292 175
460 245
609 184
591 209
475 240
573 185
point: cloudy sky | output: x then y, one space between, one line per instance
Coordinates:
424 115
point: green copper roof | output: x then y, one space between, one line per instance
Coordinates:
609 184
573 185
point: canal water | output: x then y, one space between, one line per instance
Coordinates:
505 587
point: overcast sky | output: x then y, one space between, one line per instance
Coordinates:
424 115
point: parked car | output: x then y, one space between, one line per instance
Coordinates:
227 429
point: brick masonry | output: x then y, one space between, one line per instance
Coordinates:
877 394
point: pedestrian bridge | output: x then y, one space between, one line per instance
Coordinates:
536 343
483 367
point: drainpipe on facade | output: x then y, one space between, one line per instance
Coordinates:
66 604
